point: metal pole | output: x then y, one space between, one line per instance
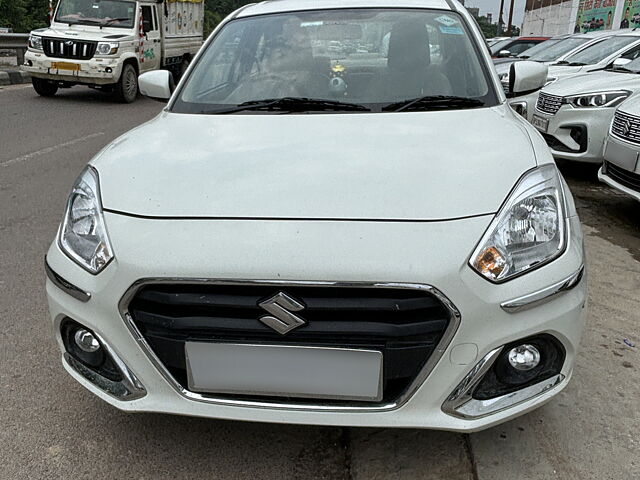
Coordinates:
499 31
510 18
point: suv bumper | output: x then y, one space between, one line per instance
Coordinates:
97 71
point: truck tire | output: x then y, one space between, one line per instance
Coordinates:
44 88
184 66
126 90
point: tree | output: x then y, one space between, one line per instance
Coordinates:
488 29
13 14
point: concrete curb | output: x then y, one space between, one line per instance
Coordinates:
14 77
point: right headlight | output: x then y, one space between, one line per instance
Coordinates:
107 48
528 231
83 234
35 42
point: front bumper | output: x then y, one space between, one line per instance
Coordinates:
432 253
91 72
593 122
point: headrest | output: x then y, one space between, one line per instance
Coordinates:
408 46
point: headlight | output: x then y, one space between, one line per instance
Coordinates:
528 231
107 48
83 235
599 99
35 42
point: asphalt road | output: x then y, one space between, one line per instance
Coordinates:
50 427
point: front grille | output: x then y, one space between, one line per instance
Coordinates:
626 127
548 103
406 325
623 177
59 48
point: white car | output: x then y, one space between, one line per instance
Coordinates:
270 249
621 168
599 54
574 114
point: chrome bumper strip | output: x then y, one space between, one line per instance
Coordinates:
64 285
542 296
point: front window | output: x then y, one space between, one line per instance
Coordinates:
596 53
497 47
554 51
351 60
103 13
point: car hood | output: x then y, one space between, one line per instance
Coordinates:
594 82
400 166
631 106
86 32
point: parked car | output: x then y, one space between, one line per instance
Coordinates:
266 249
621 168
574 114
596 56
530 51
491 41
513 46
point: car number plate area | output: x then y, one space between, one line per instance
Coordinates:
540 123
284 371
624 157
74 67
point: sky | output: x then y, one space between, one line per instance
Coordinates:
493 6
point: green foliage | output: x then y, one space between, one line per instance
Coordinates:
27 15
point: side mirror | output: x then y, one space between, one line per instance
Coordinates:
525 77
157 85
504 54
621 62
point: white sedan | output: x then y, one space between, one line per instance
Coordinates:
300 239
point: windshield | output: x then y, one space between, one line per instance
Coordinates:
496 47
599 51
557 50
111 13
350 59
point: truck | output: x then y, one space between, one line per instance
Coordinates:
106 44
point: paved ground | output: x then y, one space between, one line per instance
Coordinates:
52 428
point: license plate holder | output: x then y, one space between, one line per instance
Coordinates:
623 157
540 123
285 371
73 67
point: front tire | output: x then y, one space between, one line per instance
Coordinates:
44 88
126 89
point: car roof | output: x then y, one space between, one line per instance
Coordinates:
278 6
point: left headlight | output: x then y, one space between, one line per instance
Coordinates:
528 231
107 48
83 235
35 42
598 99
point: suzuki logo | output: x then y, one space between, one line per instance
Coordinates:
626 129
281 306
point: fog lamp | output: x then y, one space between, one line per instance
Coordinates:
86 341
524 357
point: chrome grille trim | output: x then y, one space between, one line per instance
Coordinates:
626 127
454 323
549 104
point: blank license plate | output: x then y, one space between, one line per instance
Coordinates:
74 67
624 157
540 123
284 371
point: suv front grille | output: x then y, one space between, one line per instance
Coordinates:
548 103
626 127
405 324
60 48
623 177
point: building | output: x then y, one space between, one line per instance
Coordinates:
556 17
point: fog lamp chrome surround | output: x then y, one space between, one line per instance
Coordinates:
461 403
129 388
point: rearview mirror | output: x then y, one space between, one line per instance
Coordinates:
526 77
504 54
621 62
157 85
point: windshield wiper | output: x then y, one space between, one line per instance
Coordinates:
562 62
576 64
433 102
292 105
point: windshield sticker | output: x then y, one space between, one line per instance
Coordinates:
445 20
451 30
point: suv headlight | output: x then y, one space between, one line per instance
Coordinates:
528 231
599 99
35 42
83 235
107 48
